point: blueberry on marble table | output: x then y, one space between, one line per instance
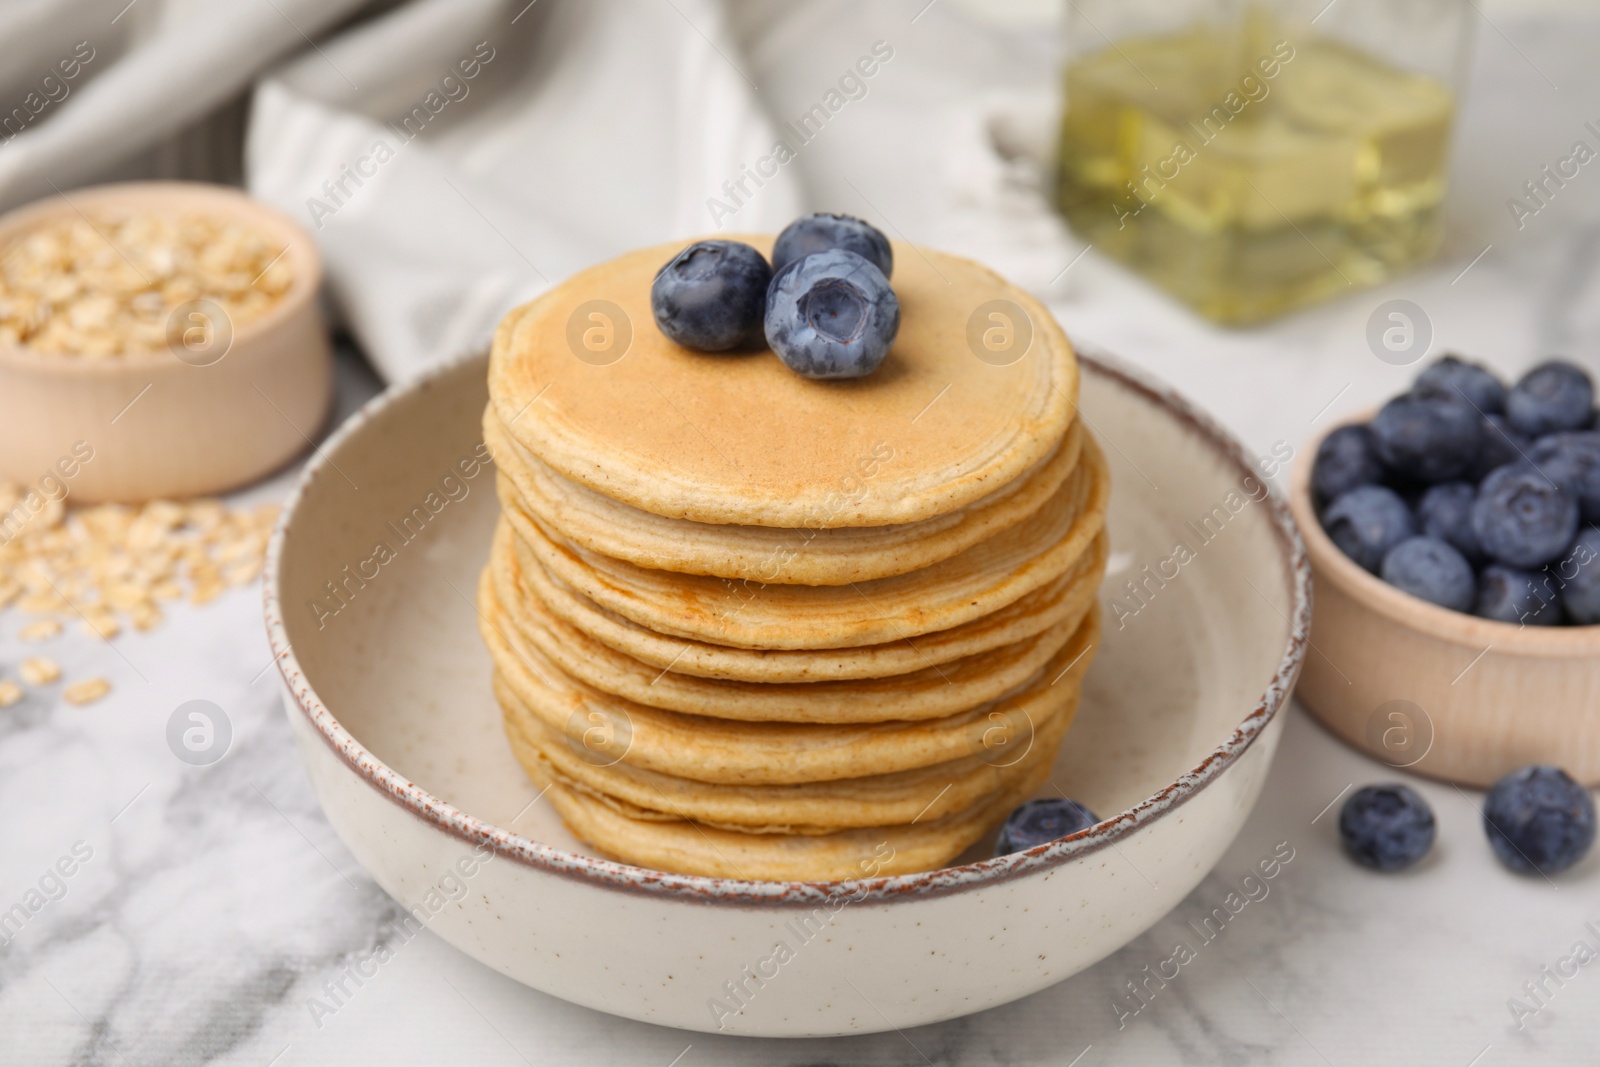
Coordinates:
1367 522
1427 438
1523 518
1539 820
711 296
822 231
1345 459
1554 396
1386 827
1453 377
1432 570
1039 822
831 315
1525 598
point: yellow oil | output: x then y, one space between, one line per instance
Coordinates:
1250 171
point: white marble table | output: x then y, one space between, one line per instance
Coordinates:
217 903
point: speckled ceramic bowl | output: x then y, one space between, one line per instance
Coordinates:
387 688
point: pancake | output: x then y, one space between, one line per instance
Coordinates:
807 808
930 693
611 729
689 847
767 554
969 586
519 577
739 438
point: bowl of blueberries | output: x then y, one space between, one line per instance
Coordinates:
1454 541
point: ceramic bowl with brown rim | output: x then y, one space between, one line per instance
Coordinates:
196 403
1446 694
387 689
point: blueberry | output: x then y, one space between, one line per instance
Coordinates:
1572 461
1445 512
1454 377
1428 438
1386 827
1367 522
1345 459
831 315
711 296
1522 518
820 232
1515 596
1498 444
1538 819
1553 396
1040 821
1577 574
1429 568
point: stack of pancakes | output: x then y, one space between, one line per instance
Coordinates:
750 625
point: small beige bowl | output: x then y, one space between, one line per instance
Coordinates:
154 424
1448 695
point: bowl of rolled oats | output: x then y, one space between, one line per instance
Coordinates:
157 340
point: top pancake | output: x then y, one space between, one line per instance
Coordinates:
720 438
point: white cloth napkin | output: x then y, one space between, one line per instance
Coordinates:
505 145
92 90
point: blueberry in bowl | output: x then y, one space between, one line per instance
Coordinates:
1039 822
1386 827
1572 460
1428 438
711 296
1367 522
1539 820
1432 570
822 231
1454 377
831 314
1522 518
1346 458
1577 576
1522 598
1445 512
1554 396
1498 444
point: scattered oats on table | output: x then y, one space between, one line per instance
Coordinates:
10 693
101 622
86 692
37 670
103 286
111 565
39 630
